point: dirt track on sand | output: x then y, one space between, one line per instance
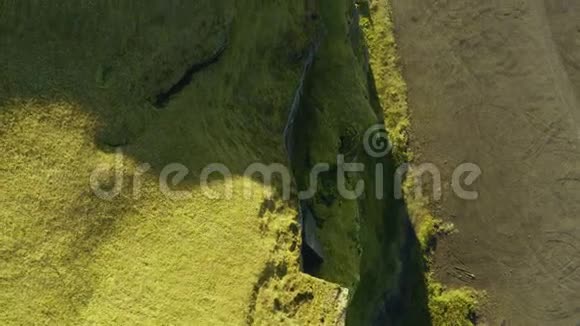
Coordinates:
497 83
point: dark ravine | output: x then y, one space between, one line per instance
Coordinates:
400 299
395 305
311 251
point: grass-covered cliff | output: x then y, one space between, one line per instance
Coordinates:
79 83
110 86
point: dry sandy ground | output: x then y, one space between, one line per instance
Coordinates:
497 83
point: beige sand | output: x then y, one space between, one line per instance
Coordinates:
497 83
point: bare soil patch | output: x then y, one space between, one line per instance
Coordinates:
496 83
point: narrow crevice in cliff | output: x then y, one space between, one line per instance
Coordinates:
163 98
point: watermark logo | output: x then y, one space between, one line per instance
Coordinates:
376 141
106 181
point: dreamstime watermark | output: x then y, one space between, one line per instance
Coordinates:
107 180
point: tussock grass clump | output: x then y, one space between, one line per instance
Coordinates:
453 307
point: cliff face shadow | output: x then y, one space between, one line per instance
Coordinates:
400 262
408 303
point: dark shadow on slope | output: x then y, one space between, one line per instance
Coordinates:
407 302
375 302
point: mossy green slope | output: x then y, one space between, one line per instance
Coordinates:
78 79
335 113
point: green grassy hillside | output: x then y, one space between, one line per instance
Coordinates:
79 87
80 99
